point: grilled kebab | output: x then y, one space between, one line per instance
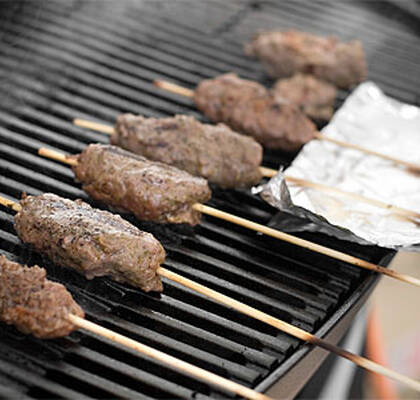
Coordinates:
313 96
32 303
216 153
151 190
283 54
94 242
249 108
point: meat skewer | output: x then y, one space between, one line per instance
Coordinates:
249 108
171 87
93 242
216 153
237 180
252 312
47 310
33 304
201 208
284 54
314 97
152 191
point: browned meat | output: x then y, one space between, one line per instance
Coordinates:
94 242
283 54
216 153
313 96
32 303
249 108
152 191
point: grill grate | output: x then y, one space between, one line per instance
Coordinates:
97 59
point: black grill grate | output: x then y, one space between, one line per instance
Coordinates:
97 59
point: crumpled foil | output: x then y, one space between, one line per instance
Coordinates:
373 120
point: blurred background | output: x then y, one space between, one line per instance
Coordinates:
395 322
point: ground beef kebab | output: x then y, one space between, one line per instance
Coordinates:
94 242
214 152
32 303
313 96
284 54
251 109
151 190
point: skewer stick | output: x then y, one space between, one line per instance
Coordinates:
247 310
408 164
95 126
338 255
173 88
269 173
272 232
10 204
55 155
189 369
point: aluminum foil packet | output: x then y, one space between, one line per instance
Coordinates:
370 119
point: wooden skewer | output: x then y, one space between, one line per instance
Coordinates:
55 155
10 204
253 313
338 255
408 164
269 173
176 363
173 88
95 126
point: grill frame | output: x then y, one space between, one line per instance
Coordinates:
51 103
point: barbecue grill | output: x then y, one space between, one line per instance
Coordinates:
98 59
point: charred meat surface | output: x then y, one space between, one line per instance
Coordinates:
247 107
94 242
152 191
32 303
283 54
313 96
216 153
